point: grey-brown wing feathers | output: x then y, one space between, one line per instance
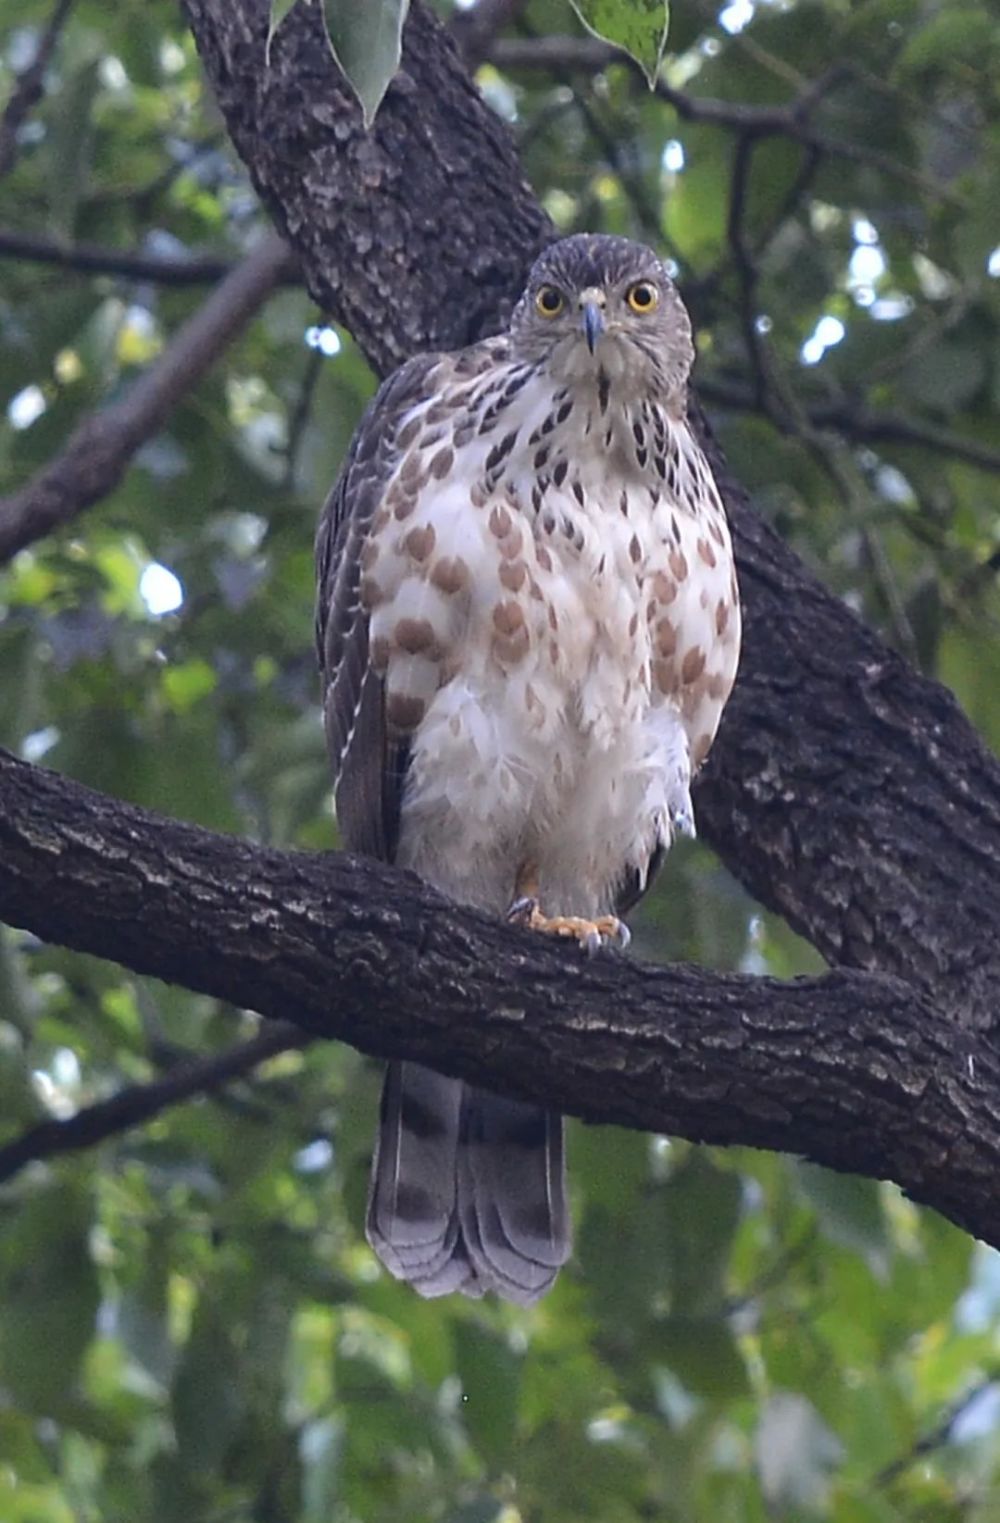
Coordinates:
369 768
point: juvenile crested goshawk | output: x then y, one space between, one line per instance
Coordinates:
528 626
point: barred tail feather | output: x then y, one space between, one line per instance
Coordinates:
468 1189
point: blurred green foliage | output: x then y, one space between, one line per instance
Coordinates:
191 1326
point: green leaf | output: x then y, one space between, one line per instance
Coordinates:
703 1354
795 1452
207 1394
640 27
850 1212
142 1312
695 212
490 1373
482 1510
947 378
366 42
962 34
70 149
48 1296
701 1210
186 684
321 1446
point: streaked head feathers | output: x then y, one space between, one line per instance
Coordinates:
595 302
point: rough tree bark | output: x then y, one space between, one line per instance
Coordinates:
845 790
852 1069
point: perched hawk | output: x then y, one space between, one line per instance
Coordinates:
528 625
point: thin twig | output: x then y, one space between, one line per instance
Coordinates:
781 403
806 173
976 578
937 1436
928 336
475 29
861 424
99 259
138 1103
28 87
791 120
885 579
746 267
645 210
142 198
300 414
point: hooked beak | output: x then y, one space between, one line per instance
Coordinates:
593 323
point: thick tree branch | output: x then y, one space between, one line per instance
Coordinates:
138 1103
100 449
845 790
129 264
851 1069
435 148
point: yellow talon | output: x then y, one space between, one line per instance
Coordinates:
591 934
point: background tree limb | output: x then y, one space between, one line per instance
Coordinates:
129 264
136 1104
29 86
862 424
101 448
851 1069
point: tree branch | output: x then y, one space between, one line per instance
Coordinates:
138 1103
28 86
861 424
476 29
100 449
746 265
851 1069
130 264
937 1436
435 147
591 55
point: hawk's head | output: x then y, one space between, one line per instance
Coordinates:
596 304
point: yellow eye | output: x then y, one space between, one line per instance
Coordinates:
549 301
642 297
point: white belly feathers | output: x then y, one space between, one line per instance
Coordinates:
556 657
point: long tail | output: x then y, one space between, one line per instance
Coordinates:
468 1190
